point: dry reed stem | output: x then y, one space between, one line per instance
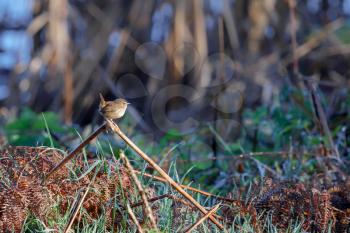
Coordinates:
117 53
321 118
37 23
202 219
175 185
179 35
202 74
77 208
301 51
147 207
241 156
153 199
68 90
133 218
293 29
188 187
98 46
314 41
174 198
170 196
75 151
231 27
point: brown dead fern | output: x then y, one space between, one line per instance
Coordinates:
21 191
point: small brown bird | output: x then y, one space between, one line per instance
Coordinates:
113 109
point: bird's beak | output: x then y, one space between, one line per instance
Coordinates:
128 103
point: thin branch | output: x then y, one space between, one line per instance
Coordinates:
133 218
321 117
293 30
301 51
314 41
153 199
174 198
77 207
240 156
170 196
175 185
147 207
37 23
231 26
92 136
201 220
188 187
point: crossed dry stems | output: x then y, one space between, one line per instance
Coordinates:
156 167
146 204
114 127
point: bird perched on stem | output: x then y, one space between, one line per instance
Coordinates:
113 109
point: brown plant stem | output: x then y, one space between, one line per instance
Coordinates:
321 119
175 185
134 219
239 156
75 151
174 198
189 188
305 48
202 219
293 29
147 207
153 199
68 91
77 208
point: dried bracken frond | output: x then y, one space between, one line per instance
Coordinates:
21 192
322 214
287 202
12 210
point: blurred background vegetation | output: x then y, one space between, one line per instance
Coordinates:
206 78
